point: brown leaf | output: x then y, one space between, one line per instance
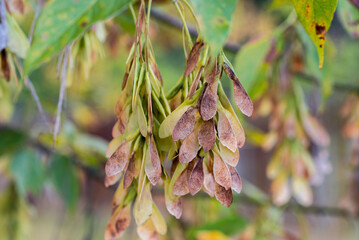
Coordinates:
225 132
229 157
117 162
130 171
153 162
221 172
225 197
118 223
5 68
180 188
189 148
196 177
147 231
194 85
208 104
185 124
207 135
236 184
241 97
315 131
193 57
15 6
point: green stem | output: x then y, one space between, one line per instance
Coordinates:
192 12
185 27
133 13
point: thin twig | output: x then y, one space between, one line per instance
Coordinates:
243 198
36 98
62 93
37 12
27 80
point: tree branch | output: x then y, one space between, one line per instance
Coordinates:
235 48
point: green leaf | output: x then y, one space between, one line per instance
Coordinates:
348 15
18 42
230 225
28 171
64 178
316 17
10 140
62 21
249 61
214 19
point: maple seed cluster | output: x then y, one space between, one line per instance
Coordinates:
186 140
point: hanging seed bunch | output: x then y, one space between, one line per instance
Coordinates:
188 145
206 131
135 157
84 53
350 130
297 137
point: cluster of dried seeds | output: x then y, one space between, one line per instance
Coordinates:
185 141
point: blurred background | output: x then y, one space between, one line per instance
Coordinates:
59 194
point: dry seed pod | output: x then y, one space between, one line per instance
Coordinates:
180 188
15 6
229 157
5 68
147 231
221 172
118 160
208 182
118 223
236 182
185 124
130 171
196 177
194 85
241 97
119 195
223 196
225 132
237 127
153 163
158 220
211 77
109 181
173 203
315 131
193 58
207 135
142 209
170 122
208 102
189 148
